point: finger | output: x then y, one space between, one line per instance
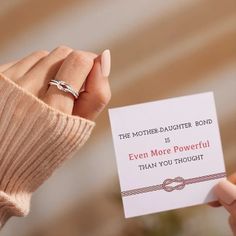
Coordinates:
226 193
6 66
232 223
74 72
36 79
97 89
232 179
18 69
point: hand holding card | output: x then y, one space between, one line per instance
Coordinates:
168 153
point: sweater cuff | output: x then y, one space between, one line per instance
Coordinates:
35 139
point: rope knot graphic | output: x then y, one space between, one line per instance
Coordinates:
180 184
170 185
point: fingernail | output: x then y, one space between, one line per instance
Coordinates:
106 62
226 191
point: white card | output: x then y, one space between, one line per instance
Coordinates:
168 152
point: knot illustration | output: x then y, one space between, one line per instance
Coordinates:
170 185
180 184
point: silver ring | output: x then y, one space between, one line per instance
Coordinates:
64 87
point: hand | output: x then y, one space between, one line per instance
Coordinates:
226 193
76 68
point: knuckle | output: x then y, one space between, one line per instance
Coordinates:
41 53
103 98
92 55
82 58
63 50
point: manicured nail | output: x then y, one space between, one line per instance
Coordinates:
226 191
106 62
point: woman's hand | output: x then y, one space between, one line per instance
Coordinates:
225 190
79 69
42 126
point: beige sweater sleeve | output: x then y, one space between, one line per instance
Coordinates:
34 140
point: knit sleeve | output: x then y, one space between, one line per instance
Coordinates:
35 139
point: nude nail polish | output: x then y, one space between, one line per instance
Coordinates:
106 62
226 191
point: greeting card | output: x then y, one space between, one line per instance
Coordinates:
168 153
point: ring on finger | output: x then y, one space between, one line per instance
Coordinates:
62 85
